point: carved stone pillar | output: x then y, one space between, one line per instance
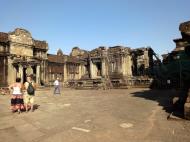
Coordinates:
103 67
21 75
65 72
123 65
91 70
4 71
38 74
80 71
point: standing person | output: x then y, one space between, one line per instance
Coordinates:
17 103
30 87
56 87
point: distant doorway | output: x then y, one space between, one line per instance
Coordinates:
34 73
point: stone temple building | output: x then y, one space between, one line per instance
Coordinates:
104 67
114 66
177 62
177 69
21 54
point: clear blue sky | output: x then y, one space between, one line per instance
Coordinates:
92 23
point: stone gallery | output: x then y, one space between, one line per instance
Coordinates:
21 54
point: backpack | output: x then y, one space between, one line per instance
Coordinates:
30 89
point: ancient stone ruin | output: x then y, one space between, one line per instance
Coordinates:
118 66
20 55
176 68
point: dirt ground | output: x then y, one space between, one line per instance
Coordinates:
121 115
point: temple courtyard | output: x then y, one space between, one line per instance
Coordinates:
118 115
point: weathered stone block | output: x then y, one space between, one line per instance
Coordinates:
187 111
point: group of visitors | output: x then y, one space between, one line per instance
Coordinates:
22 97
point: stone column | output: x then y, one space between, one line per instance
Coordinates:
123 65
45 72
91 70
4 72
146 58
129 64
65 72
43 69
49 74
80 71
126 65
103 68
38 74
21 75
11 72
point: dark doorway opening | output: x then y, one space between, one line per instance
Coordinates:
99 68
24 75
34 73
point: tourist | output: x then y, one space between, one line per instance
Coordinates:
30 87
56 86
17 103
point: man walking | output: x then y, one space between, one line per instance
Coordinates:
56 87
30 87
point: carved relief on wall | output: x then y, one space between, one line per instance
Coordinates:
21 42
21 50
21 36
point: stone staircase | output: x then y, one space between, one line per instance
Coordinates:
117 81
88 84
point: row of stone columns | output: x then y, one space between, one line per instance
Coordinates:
29 70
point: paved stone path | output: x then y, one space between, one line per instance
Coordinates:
132 115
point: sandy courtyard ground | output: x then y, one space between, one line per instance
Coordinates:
131 115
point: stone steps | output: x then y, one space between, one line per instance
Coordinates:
89 84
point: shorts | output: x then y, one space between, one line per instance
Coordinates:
28 99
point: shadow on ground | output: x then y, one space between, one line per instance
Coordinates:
36 106
165 99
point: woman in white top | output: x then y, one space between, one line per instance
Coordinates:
17 103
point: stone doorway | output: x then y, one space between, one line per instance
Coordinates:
98 69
